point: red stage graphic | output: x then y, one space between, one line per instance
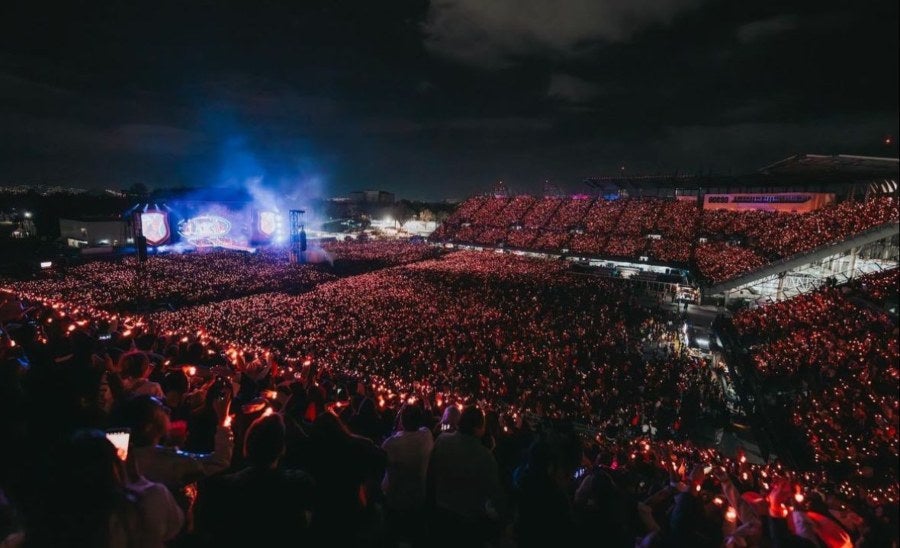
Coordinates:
268 223
155 227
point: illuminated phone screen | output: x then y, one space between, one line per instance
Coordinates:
119 439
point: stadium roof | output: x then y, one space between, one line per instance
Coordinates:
800 173
860 167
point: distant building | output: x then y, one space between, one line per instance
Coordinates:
94 232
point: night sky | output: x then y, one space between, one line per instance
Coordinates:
435 99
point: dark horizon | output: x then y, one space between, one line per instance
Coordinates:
441 99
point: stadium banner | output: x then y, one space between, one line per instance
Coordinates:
784 202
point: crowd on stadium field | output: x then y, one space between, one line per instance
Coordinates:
176 280
616 229
841 359
373 254
400 324
430 400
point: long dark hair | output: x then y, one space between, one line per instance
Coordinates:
85 493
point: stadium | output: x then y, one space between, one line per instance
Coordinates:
729 237
731 342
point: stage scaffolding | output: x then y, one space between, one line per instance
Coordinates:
298 236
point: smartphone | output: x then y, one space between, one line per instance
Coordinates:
104 337
707 470
579 473
120 438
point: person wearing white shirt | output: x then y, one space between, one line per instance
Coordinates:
408 452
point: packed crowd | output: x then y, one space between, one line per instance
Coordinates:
781 235
173 279
670 251
639 217
418 322
834 359
618 229
541 212
364 256
603 217
513 211
429 401
491 210
588 243
176 280
678 220
524 238
570 214
879 287
719 261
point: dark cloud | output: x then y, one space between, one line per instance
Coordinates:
508 124
154 139
571 89
757 30
436 98
490 34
